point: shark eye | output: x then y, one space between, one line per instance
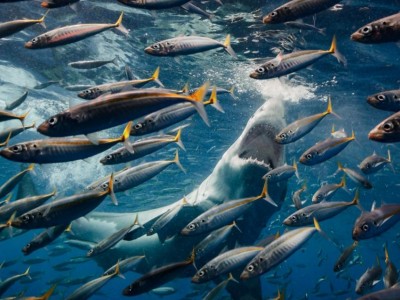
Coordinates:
366 30
365 227
52 121
250 268
261 70
381 97
388 126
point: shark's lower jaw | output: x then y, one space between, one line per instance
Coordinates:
237 175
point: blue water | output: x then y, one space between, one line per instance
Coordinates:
371 68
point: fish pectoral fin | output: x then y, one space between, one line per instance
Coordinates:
93 138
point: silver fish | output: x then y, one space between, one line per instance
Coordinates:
125 265
385 294
300 128
358 178
296 197
14 131
92 64
387 100
226 263
281 173
17 102
388 131
185 45
213 294
304 26
391 276
11 183
326 191
344 257
374 163
369 279
320 211
11 27
7 283
295 61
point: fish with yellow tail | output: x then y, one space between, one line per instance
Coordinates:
374 163
154 4
344 257
355 176
11 27
285 64
281 173
71 34
279 250
213 294
7 283
116 109
300 128
45 296
7 115
325 150
58 150
326 191
370 278
391 276
64 210
11 183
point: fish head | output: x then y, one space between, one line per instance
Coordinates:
387 131
37 42
265 71
29 248
91 252
273 17
27 220
143 127
191 228
308 157
90 94
135 288
317 197
160 48
202 275
283 137
337 267
253 269
378 100
110 159
24 152
292 220
366 34
364 227
55 126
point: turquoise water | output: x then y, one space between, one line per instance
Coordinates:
371 68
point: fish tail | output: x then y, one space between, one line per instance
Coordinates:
155 77
50 291
322 31
230 277
316 225
118 25
185 89
296 169
342 183
178 140
30 168
178 163
232 91
335 52
5 143
30 126
8 198
22 117
111 189
115 60
118 271
69 229
352 137
41 20
119 21
125 137
304 186
26 273
264 194
329 110
227 46
386 254
197 100
213 101
235 225
356 200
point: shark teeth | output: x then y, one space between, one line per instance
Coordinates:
257 162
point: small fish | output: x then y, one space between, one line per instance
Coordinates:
326 191
157 277
304 26
300 128
7 283
356 177
276 252
11 27
141 148
223 214
111 240
375 222
325 150
296 197
192 8
70 34
344 257
369 279
226 263
297 9
285 64
154 4
116 109
44 238
57 3
384 30
64 210
57 150
320 211
11 183
6 116
92 64
388 131
387 100
391 276
14 131
281 173
88 289
140 231
185 45
117 87
213 294
134 176
125 265
46 84
17 102
163 291
374 163
23 205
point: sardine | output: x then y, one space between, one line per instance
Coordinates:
281 173
295 61
344 257
118 87
300 128
374 163
297 9
320 211
185 45
326 191
387 100
356 177
388 131
17 102
304 26
11 27
384 30
69 34
92 64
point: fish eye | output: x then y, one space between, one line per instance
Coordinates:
25 218
388 126
269 176
28 246
365 227
138 126
309 156
381 97
109 156
105 185
274 14
191 226
366 30
90 252
156 46
367 166
16 148
250 268
35 40
201 273
52 121
293 218
282 135
261 70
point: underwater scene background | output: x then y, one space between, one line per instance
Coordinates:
308 274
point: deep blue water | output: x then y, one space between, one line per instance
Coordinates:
371 68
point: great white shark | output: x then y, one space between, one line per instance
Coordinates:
238 174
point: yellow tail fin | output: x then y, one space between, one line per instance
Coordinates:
47 295
119 21
41 20
178 163
227 46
